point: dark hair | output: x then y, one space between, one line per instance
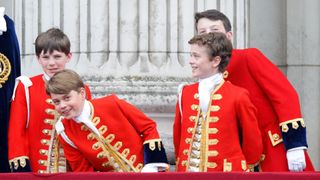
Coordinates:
213 15
217 44
63 82
52 39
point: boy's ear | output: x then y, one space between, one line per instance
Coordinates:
216 61
229 35
69 56
83 92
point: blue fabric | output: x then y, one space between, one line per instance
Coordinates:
9 46
294 137
27 168
154 156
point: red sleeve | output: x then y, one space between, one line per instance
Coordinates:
76 160
251 137
17 138
275 85
177 130
143 125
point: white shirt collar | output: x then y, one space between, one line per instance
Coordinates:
46 76
84 118
211 82
85 114
206 86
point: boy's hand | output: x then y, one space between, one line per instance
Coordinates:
155 167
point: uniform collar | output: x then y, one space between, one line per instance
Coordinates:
85 114
211 82
206 86
84 118
46 77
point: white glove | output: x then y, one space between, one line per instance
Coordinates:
296 159
155 167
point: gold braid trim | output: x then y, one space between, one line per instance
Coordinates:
284 125
15 161
114 157
56 155
152 144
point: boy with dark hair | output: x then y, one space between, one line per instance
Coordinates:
31 135
105 134
215 127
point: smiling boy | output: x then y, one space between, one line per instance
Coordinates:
214 117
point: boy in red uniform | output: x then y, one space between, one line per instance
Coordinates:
31 135
215 127
281 124
105 134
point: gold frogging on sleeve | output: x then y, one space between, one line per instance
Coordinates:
295 125
152 144
22 161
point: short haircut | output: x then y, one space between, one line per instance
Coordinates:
217 44
52 39
63 82
213 15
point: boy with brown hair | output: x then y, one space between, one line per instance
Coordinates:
215 127
31 135
105 134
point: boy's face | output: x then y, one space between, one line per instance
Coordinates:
206 25
200 62
69 105
54 62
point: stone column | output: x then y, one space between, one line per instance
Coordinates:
303 45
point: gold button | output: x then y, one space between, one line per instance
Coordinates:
49 101
275 137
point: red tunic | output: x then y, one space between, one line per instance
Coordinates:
231 114
124 127
277 102
33 142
